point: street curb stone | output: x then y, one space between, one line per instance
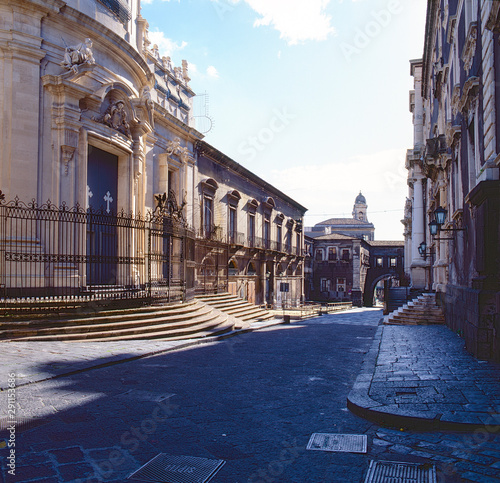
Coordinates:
400 414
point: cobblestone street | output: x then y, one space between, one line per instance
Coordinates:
252 400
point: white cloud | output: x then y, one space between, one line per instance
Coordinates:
165 45
296 20
212 72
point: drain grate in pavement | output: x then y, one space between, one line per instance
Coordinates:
178 469
346 443
397 472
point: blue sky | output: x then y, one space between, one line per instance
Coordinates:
311 95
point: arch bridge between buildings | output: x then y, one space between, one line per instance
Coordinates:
374 276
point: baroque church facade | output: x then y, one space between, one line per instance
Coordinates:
101 190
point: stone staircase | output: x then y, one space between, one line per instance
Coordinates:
187 320
237 307
421 311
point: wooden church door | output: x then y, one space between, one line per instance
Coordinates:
102 196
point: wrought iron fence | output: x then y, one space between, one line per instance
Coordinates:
62 253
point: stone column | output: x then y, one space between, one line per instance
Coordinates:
418 264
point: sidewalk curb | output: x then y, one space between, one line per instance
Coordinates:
360 403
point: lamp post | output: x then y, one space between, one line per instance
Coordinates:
436 225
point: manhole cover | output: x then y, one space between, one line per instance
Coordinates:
347 443
396 472
178 469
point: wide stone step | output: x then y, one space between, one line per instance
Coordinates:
194 319
236 306
167 331
138 316
98 325
421 311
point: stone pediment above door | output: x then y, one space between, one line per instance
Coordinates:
122 111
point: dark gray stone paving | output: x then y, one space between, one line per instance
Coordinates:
424 373
253 400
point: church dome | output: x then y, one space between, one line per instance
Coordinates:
360 199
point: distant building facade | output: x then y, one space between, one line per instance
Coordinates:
358 226
452 211
346 261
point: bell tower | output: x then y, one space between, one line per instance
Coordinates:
360 207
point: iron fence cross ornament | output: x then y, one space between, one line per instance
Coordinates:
108 199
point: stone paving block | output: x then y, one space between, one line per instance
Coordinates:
464 466
465 455
479 478
400 449
421 454
29 473
72 472
67 455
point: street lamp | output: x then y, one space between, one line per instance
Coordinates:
421 249
433 227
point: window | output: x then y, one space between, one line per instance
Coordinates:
288 242
332 253
251 229
325 284
267 231
208 216
319 255
340 284
251 269
393 262
379 262
298 244
345 254
279 236
232 224
233 268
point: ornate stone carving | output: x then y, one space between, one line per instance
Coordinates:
78 55
174 148
116 117
185 75
167 205
66 156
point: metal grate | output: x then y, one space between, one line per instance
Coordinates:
347 443
396 472
178 469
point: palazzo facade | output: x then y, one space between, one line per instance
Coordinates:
452 211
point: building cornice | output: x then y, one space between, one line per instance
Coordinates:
207 150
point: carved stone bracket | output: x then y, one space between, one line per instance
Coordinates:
174 148
470 89
469 48
66 156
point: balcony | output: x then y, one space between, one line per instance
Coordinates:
211 232
236 238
